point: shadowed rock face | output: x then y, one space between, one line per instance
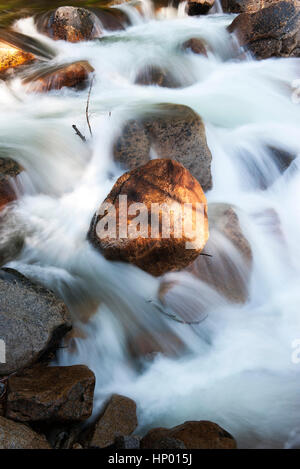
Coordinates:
153 75
248 6
173 131
18 436
72 24
118 418
9 169
195 45
158 182
51 394
32 320
270 32
229 268
74 75
199 7
193 434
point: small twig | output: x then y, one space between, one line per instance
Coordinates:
87 107
172 316
204 254
79 133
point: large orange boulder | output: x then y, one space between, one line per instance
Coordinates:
199 7
159 223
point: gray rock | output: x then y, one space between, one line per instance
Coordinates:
18 436
32 320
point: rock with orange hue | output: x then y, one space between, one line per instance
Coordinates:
270 32
72 24
74 75
117 419
11 57
228 269
153 247
193 434
51 394
9 170
172 131
195 45
199 7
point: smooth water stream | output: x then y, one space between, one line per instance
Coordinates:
236 367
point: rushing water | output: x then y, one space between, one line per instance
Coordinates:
234 368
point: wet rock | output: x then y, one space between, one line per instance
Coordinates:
117 419
11 235
74 75
132 147
72 24
199 7
158 182
248 6
229 268
271 32
195 45
61 435
152 75
172 131
193 434
18 436
112 19
127 442
32 320
51 394
9 170
11 57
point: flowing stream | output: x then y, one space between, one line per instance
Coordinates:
236 367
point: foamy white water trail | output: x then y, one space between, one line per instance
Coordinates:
236 367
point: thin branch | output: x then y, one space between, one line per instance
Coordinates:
79 133
87 106
172 316
204 254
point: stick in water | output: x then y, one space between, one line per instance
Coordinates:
79 133
87 107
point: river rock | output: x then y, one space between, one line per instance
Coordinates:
9 170
51 394
199 7
172 131
32 320
195 45
229 268
270 32
11 57
117 419
193 434
72 24
74 75
18 436
159 182
248 6
153 75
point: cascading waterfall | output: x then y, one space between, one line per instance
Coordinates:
235 367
